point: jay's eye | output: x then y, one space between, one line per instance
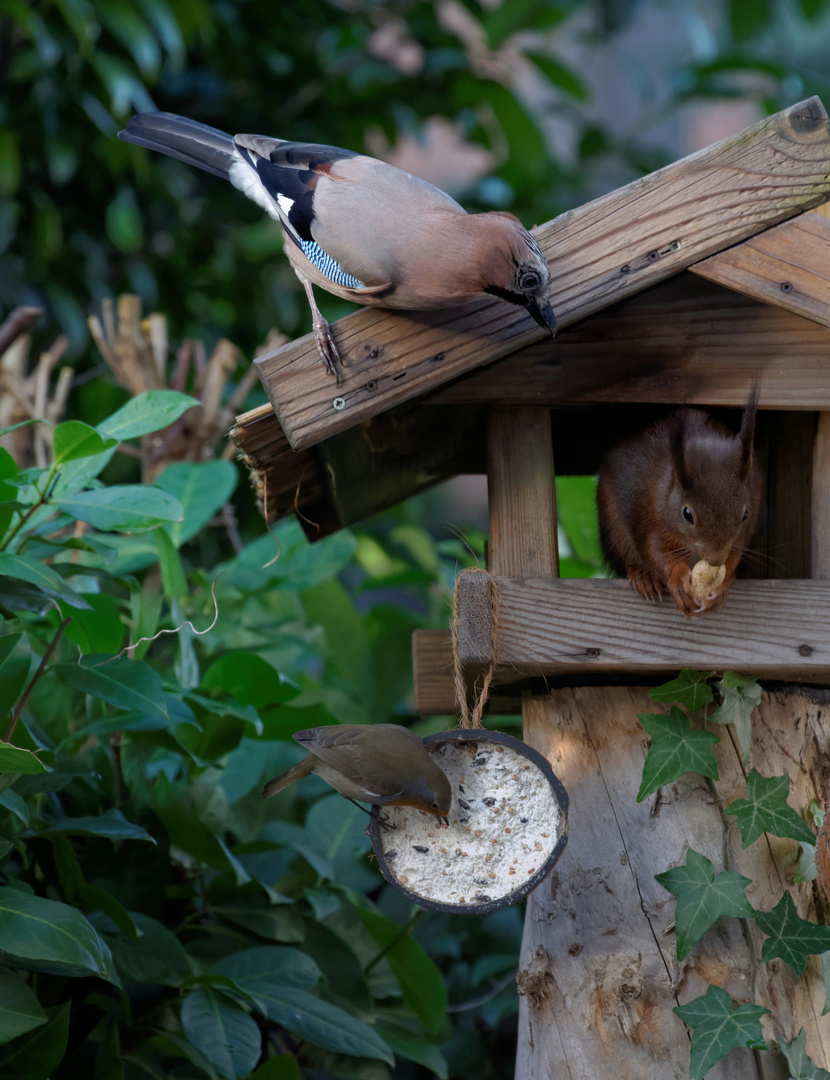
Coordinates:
746 514
529 280
688 515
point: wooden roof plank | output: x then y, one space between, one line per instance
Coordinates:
685 341
787 266
600 253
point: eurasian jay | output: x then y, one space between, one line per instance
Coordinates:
361 228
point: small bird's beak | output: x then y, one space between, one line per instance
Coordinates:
543 316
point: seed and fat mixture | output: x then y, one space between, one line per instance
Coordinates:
504 823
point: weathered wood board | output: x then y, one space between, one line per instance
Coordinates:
600 253
771 629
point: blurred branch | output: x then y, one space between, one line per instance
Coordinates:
137 350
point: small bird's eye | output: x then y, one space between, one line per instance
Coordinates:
435 806
529 280
746 514
688 515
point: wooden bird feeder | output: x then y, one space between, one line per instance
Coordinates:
680 288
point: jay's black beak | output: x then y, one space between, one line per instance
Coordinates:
543 316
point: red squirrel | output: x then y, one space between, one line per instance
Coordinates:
683 491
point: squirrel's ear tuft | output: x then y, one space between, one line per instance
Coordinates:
678 456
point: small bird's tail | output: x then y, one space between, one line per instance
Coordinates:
296 772
196 144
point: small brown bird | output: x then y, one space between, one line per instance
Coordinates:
362 229
381 764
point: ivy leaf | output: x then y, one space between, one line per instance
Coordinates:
789 937
675 750
719 1027
806 869
689 688
801 1068
702 897
765 809
741 697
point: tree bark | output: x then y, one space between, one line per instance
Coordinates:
598 972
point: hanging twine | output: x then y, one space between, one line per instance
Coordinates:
481 684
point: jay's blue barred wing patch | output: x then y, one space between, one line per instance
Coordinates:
327 265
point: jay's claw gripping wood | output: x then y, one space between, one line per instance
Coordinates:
361 228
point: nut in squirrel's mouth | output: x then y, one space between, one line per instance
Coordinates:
705 578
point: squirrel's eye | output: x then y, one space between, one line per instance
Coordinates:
746 514
688 515
529 280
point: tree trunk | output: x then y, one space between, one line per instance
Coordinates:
599 973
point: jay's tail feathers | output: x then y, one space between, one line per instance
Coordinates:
296 772
196 144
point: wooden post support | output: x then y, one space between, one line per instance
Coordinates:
598 973
521 489
599 253
820 558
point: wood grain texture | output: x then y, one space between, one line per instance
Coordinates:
684 341
521 489
598 962
820 526
771 629
600 253
788 266
432 672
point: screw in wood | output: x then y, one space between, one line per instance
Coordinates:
339 403
786 286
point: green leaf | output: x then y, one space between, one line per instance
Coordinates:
702 898
72 440
15 660
563 77
801 1067
409 1039
741 697
675 750
20 1009
47 580
36 1055
145 413
280 994
15 805
222 1031
258 971
112 825
156 956
719 1027
765 809
689 688
811 8
14 759
131 685
173 580
249 679
44 935
99 629
202 489
749 17
122 508
419 979
789 937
